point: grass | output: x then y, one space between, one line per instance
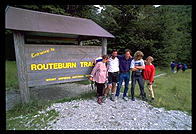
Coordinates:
11 76
29 117
172 91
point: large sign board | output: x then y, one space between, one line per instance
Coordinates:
50 64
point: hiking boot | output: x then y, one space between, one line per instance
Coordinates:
152 100
125 98
113 98
144 99
133 98
116 97
103 99
99 100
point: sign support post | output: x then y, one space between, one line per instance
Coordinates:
21 66
104 46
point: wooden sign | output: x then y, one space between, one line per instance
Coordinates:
51 64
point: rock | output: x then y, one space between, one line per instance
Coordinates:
121 115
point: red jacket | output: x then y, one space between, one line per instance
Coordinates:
149 72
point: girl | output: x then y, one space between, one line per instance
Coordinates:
99 75
148 75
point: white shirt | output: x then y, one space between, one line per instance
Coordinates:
137 63
113 65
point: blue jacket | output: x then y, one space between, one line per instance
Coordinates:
124 65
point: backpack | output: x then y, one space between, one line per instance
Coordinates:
185 66
173 65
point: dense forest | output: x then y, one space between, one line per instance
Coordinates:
164 32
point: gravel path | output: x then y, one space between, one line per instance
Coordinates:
119 115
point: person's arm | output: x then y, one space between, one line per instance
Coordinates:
119 56
142 65
94 71
132 66
152 75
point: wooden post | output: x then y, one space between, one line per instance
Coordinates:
104 46
21 66
80 43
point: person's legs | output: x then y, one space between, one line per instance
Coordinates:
133 81
141 85
119 84
126 78
107 89
172 69
113 88
109 84
100 87
151 90
114 82
113 92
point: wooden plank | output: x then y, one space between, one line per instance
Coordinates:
38 58
104 46
21 66
49 38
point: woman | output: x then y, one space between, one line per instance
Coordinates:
99 75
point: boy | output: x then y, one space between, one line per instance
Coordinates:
137 65
148 75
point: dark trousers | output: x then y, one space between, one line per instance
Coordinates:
140 81
100 88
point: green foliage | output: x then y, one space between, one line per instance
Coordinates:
175 88
11 76
171 91
164 32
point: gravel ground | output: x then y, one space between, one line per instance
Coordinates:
119 115
47 92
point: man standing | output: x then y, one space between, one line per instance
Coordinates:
113 71
124 66
137 65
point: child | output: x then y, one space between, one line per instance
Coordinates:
148 75
99 75
137 65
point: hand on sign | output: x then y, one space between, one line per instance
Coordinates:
91 78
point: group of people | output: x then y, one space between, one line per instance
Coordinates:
178 66
116 68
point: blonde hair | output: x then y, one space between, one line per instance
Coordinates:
150 57
137 55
